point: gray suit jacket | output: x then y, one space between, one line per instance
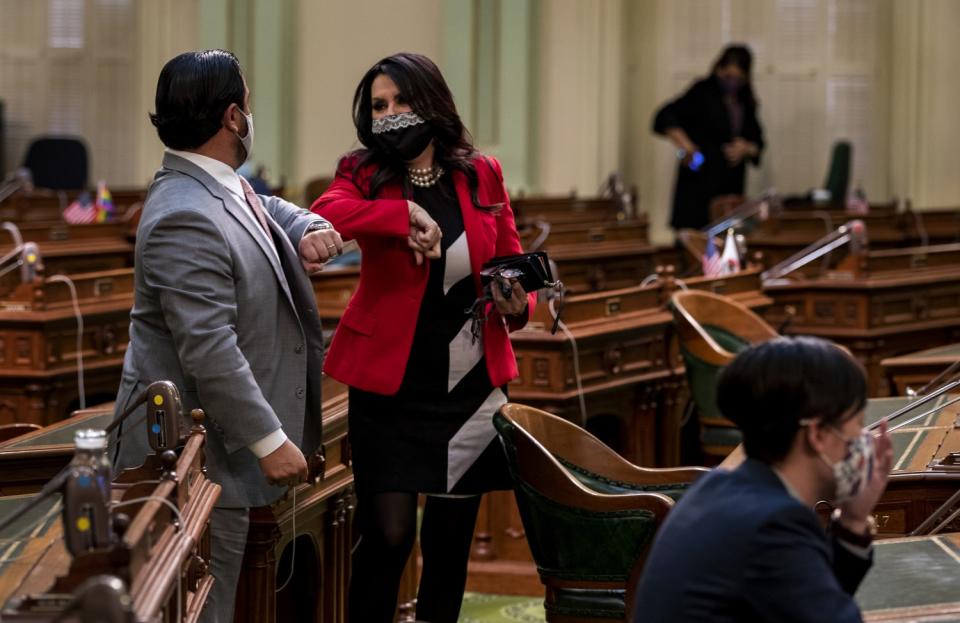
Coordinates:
216 313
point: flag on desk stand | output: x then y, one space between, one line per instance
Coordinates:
81 211
105 209
711 259
730 258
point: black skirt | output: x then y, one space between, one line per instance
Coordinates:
436 434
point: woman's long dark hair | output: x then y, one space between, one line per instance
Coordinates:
421 84
741 57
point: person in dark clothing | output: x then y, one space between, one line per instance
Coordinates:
746 545
715 128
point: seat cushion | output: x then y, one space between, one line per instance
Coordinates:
603 484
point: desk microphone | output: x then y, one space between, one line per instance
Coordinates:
31 262
164 410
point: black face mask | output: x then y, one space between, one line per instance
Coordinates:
729 86
403 136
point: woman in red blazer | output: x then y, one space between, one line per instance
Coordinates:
424 349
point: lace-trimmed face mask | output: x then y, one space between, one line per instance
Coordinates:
402 136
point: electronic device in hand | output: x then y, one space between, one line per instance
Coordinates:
530 270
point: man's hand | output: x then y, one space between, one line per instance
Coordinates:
285 465
425 234
854 512
319 246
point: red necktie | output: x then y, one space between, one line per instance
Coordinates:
254 202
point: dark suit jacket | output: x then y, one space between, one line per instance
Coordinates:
703 115
739 547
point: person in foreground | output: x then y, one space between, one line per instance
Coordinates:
425 375
746 545
223 307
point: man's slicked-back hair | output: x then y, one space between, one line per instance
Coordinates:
769 388
193 92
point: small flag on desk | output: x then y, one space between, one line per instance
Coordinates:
105 209
711 259
730 258
81 211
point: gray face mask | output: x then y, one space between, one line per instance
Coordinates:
247 141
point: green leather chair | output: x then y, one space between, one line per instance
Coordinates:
589 515
838 175
711 330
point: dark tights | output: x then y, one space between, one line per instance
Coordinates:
387 523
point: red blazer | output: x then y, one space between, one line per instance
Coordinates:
372 343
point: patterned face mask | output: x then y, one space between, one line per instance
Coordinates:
855 469
403 136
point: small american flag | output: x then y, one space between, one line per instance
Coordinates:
81 212
712 264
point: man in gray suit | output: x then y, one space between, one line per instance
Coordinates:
223 306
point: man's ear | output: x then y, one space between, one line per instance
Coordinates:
231 118
814 436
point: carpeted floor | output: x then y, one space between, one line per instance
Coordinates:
481 608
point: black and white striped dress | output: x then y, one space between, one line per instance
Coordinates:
436 434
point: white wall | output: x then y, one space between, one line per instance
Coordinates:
924 124
336 43
579 94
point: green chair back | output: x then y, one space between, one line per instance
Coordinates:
838 175
606 563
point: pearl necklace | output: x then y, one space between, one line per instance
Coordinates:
425 178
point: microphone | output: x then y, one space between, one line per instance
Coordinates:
21 179
31 262
164 410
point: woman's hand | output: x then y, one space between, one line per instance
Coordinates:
509 306
854 512
425 234
739 149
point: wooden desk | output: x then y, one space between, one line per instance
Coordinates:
558 209
333 288
913 580
30 461
608 265
324 537
877 314
583 233
917 486
163 562
74 257
47 205
933 225
38 345
324 518
914 370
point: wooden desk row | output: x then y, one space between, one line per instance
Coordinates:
161 559
880 304
323 514
47 206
